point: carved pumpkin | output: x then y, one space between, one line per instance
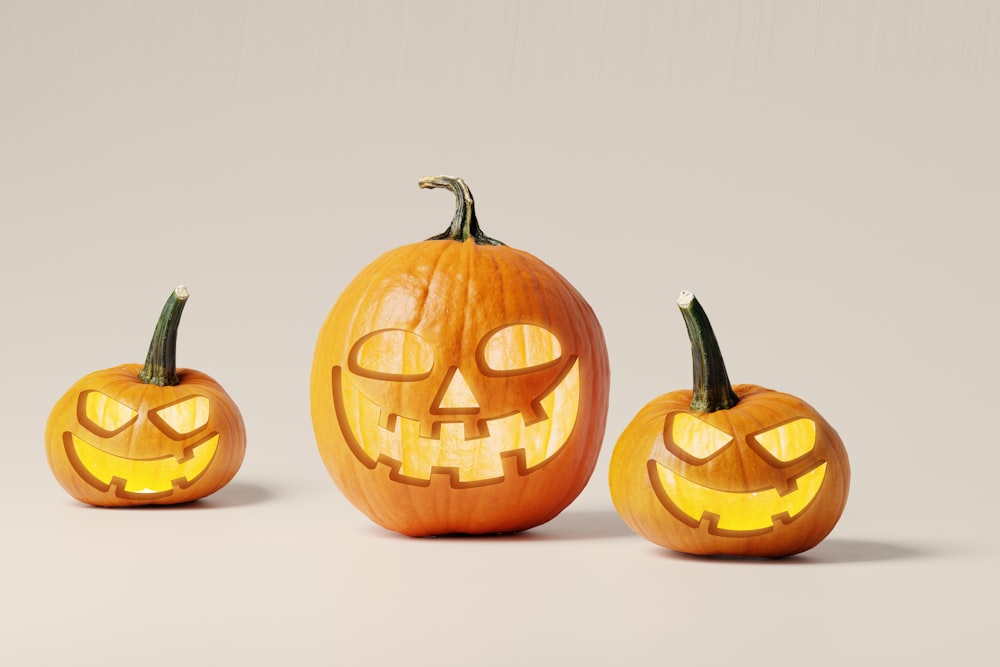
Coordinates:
146 434
459 385
728 470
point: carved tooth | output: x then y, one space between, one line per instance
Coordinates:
143 475
387 420
474 450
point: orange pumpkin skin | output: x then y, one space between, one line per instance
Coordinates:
145 438
146 434
646 507
452 295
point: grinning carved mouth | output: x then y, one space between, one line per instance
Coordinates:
139 478
734 512
396 440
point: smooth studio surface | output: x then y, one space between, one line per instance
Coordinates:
822 175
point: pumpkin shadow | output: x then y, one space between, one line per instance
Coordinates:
585 525
830 551
837 550
234 494
582 525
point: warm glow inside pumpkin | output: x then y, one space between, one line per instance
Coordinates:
744 510
403 400
183 456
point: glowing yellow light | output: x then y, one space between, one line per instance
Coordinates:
394 352
144 475
475 458
740 511
458 394
106 412
789 441
187 416
521 346
696 437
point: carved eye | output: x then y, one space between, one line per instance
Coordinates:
697 439
184 417
789 442
392 354
519 348
102 414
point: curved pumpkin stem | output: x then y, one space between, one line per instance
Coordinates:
161 360
712 390
464 225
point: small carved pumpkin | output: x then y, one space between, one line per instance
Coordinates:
460 385
728 470
146 434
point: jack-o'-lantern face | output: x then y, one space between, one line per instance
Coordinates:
405 398
767 477
780 460
114 441
174 445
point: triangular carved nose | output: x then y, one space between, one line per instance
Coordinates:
455 395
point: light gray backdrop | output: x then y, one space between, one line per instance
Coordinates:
823 175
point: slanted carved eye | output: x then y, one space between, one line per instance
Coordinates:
518 348
102 414
392 354
789 442
698 440
184 417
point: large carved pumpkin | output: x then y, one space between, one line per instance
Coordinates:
460 385
728 470
146 434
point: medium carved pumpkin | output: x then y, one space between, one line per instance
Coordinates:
146 434
728 470
460 385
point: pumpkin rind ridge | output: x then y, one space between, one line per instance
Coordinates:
532 291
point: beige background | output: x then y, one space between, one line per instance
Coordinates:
822 174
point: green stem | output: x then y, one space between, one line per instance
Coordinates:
712 390
161 360
464 225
